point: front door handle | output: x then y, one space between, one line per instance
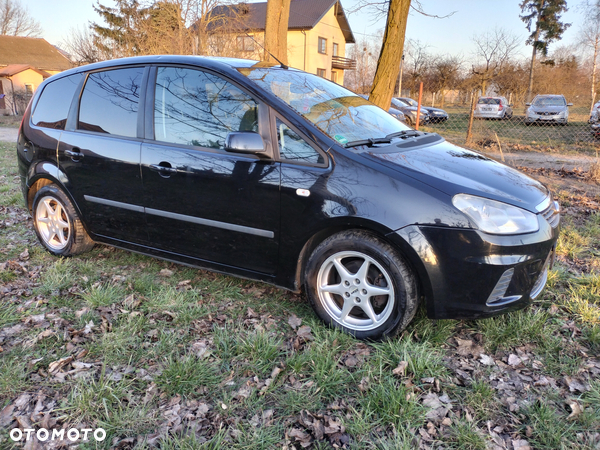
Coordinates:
164 169
75 154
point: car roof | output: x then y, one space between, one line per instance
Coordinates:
213 62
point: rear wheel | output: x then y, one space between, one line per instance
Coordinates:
361 285
57 223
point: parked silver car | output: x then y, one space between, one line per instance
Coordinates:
548 109
493 108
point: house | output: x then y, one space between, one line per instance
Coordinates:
318 32
24 64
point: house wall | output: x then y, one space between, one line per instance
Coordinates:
20 99
27 77
328 28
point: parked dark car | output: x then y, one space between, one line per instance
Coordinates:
411 112
436 115
392 111
281 176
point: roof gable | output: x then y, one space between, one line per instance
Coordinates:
14 69
31 51
304 15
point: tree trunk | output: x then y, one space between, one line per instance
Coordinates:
594 68
388 65
530 88
276 28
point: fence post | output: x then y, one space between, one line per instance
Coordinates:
471 114
419 105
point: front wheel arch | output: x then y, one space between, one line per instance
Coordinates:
361 284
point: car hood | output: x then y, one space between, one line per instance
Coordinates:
455 170
550 109
431 109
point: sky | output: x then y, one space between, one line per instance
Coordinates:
452 35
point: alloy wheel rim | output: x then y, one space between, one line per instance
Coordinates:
53 223
355 290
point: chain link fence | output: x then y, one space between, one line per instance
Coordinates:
577 141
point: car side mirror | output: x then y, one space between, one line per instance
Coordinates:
527 104
569 104
244 142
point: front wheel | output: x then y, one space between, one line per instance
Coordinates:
57 223
361 285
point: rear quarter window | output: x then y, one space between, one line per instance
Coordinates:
54 103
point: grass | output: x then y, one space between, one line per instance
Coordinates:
213 358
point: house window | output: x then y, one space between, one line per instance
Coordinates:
334 76
245 44
335 49
29 88
322 72
322 45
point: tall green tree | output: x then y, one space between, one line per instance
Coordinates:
121 35
543 20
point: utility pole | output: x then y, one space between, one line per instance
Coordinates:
400 79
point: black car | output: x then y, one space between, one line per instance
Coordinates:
278 175
436 115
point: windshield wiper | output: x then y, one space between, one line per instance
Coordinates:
405 133
370 142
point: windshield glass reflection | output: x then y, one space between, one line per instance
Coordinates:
336 111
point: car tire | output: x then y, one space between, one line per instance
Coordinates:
345 271
409 121
57 223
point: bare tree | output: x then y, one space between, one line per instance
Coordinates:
81 47
364 52
276 29
589 37
16 21
492 50
445 74
416 63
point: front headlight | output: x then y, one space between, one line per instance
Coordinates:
495 217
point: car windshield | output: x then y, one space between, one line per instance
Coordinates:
549 101
489 101
338 112
409 101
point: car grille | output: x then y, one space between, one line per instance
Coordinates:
552 214
546 113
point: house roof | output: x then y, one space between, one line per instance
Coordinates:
304 15
14 69
36 52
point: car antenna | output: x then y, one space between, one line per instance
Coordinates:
283 66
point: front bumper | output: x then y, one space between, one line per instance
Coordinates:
468 274
556 118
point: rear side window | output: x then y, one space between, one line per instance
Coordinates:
109 102
55 101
